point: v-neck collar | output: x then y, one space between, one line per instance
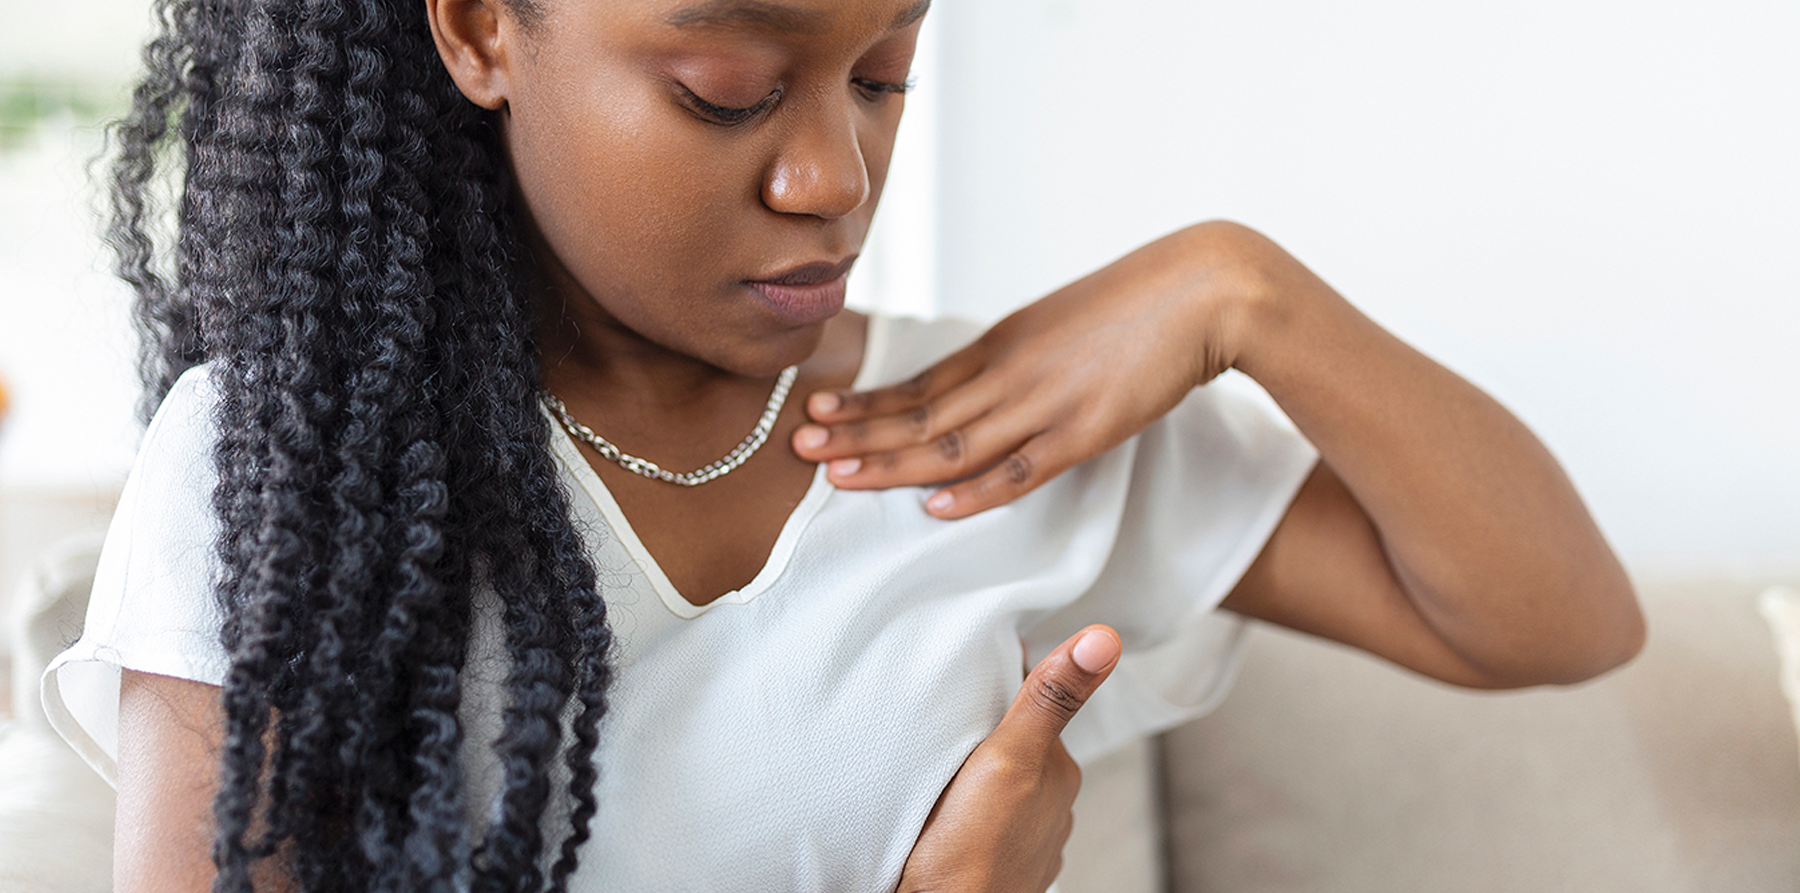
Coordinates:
874 355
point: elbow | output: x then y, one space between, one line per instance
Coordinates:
1616 639
1578 634
1617 631
1633 631
1606 634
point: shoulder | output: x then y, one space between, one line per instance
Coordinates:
165 528
185 424
174 471
1224 458
189 406
151 607
899 347
1231 416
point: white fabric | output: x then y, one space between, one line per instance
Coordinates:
1781 607
794 734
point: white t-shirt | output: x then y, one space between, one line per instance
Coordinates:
793 734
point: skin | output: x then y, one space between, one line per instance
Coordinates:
1436 530
649 216
998 827
646 218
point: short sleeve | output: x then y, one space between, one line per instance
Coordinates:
1209 483
153 608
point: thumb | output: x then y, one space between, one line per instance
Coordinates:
1058 686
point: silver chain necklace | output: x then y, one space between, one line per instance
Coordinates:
738 455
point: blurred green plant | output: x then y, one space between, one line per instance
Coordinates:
26 104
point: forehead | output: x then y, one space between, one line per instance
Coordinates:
791 17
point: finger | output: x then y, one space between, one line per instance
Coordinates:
1056 689
1032 463
923 424
1061 773
957 453
831 407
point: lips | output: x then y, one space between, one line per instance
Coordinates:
805 294
810 274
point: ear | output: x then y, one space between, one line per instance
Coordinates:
476 39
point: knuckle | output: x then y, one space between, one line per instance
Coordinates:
856 432
1057 698
1003 768
951 446
859 401
918 420
1019 469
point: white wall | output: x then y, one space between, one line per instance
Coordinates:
66 348
1589 207
89 40
66 352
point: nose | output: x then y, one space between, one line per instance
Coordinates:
820 170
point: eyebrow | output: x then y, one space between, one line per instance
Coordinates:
911 14
760 15
749 14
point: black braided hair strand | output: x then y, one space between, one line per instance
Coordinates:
343 260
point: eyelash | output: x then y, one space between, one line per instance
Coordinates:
885 87
728 116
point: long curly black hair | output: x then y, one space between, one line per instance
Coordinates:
344 259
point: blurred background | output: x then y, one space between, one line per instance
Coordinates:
1589 207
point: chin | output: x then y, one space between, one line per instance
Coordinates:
769 350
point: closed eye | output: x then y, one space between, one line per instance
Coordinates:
725 115
877 89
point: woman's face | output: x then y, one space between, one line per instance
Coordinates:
703 171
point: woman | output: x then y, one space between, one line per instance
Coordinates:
412 241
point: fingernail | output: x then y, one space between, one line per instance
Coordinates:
811 437
1095 651
840 468
940 501
826 402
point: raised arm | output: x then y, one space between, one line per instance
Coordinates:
1437 531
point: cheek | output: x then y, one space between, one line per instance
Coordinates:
621 188
877 144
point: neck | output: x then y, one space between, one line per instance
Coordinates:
591 355
638 391
662 403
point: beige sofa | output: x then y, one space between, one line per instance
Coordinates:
1324 770
1327 770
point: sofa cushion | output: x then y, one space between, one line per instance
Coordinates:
56 814
1116 845
1329 770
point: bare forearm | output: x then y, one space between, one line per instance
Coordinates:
1483 530
1439 533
